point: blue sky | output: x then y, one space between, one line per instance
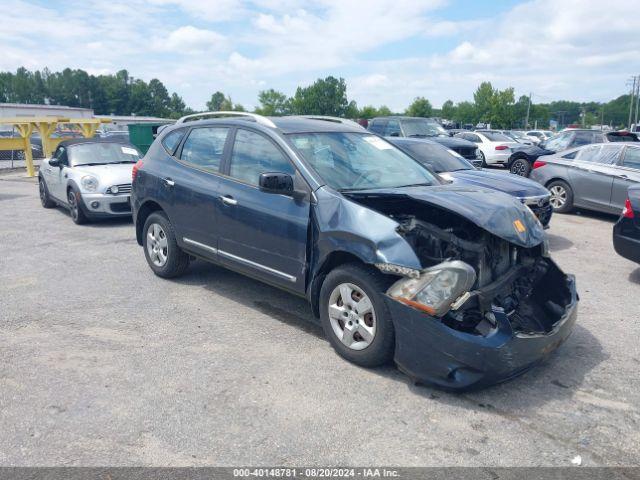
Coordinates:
389 51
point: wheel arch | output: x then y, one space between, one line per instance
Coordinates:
146 209
330 262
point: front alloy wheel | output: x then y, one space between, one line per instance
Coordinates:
352 316
520 167
75 209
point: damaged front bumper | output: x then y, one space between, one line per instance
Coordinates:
429 351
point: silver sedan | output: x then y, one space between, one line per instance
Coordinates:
594 177
90 177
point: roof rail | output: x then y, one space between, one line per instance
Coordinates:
328 118
257 118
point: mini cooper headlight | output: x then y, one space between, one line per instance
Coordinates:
89 183
437 288
114 189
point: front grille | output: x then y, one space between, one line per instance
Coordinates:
467 152
124 188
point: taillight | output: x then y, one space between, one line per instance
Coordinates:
538 164
136 167
627 212
502 147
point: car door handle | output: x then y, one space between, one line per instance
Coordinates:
168 182
624 177
227 200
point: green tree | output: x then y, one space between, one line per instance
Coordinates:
326 96
216 102
421 107
484 101
448 110
273 103
384 111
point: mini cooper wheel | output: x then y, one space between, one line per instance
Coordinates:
75 207
561 196
520 167
163 255
354 316
45 200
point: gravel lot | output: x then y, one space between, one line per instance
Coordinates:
102 363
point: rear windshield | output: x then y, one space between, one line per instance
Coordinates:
102 153
356 161
496 137
622 137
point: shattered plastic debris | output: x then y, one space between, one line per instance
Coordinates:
577 460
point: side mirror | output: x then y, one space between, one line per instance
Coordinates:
55 162
276 182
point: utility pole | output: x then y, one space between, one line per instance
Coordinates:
526 121
633 91
637 99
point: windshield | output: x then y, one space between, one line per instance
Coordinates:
358 161
102 153
439 158
496 137
422 127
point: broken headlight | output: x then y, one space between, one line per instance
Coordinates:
436 288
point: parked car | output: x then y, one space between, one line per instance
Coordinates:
453 283
541 135
450 166
521 161
594 177
418 127
91 177
495 148
626 231
520 137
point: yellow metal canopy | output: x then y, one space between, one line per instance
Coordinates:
46 126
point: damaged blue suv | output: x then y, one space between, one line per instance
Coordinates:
453 283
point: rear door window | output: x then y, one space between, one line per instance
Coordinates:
204 147
254 154
632 158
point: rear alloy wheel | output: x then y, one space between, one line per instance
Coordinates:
354 315
521 167
161 250
75 207
561 196
44 195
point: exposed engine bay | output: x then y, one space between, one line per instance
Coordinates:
523 283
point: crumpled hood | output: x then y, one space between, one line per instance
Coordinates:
496 212
512 184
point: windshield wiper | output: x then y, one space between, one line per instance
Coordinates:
419 135
93 164
426 184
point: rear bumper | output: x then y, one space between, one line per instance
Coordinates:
624 245
431 352
498 158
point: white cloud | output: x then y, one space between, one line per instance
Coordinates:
574 49
191 40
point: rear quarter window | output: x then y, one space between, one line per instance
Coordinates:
171 140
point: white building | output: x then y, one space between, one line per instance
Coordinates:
10 110
120 122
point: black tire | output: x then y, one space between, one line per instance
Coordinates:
45 199
482 159
177 261
521 167
76 208
555 188
374 284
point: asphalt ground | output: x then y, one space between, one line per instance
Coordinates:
102 363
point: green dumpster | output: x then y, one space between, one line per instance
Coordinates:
142 134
